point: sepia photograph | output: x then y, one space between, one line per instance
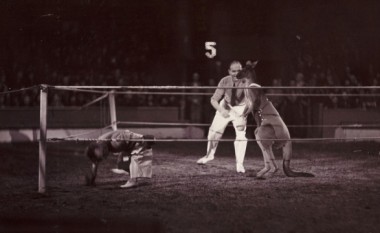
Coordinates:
189 116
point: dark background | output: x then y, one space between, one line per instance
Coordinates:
164 40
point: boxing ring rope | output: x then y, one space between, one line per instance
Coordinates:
18 90
207 125
111 95
111 91
211 93
106 91
220 140
209 87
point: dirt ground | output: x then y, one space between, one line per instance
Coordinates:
185 197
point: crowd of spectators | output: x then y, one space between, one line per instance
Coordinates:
77 58
337 63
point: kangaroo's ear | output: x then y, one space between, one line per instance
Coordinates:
252 64
255 63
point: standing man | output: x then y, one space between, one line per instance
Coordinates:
229 109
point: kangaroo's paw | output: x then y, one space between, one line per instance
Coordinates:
271 172
262 172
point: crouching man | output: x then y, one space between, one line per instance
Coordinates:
134 155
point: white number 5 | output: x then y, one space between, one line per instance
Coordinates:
211 50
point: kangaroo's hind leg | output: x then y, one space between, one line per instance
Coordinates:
270 164
273 168
266 168
264 135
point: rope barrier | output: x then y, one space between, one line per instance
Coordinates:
289 126
18 90
85 89
94 101
76 139
220 140
325 94
269 94
81 134
160 123
112 89
129 92
213 87
68 88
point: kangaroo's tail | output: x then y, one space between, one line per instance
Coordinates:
289 172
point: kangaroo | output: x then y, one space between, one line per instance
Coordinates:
271 130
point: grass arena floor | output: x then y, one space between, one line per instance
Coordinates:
185 197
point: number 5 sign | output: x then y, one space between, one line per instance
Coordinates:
210 48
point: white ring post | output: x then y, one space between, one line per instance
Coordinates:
111 99
42 141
